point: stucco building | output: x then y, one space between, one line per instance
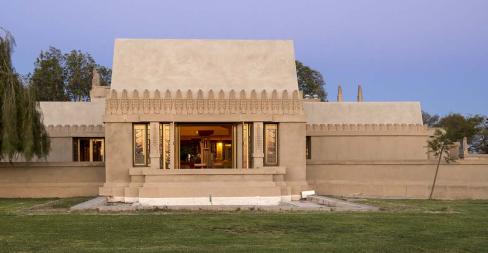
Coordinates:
223 122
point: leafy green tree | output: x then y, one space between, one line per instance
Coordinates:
430 120
439 145
458 126
310 81
78 71
21 128
105 75
48 78
62 77
35 138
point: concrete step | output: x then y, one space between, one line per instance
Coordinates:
200 190
203 183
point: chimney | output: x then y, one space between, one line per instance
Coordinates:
98 91
340 98
360 94
95 78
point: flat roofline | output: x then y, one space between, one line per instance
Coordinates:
199 39
362 102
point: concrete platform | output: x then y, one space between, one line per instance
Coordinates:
312 203
340 205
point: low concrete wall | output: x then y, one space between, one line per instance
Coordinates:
42 180
463 179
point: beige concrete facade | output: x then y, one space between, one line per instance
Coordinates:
375 149
73 113
369 142
399 179
363 113
203 64
204 81
282 108
49 180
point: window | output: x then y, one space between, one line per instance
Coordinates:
88 149
270 144
246 145
141 144
206 145
308 148
97 149
84 151
164 144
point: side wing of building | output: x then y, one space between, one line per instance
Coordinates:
365 131
75 129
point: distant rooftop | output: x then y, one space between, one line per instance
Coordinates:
203 64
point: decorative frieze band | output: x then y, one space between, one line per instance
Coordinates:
367 129
211 102
76 131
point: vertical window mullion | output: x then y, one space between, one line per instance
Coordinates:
90 150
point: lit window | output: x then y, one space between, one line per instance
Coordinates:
97 150
202 146
88 149
246 145
270 144
164 143
141 144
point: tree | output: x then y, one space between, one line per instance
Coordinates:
458 126
78 70
35 138
439 145
48 77
61 77
21 128
479 142
310 81
105 75
430 120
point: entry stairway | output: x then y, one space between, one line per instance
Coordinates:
258 186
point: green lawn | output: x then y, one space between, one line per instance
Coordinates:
401 226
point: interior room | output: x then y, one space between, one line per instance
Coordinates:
206 146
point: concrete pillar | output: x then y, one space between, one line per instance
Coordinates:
340 98
360 94
292 156
154 153
118 160
464 148
258 152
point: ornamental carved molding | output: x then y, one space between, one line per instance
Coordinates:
75 130
201 103
368 129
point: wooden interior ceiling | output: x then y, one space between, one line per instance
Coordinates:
206 130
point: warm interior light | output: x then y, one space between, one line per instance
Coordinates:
219 150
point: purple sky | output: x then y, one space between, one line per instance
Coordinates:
432 51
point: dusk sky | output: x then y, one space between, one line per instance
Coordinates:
432 51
